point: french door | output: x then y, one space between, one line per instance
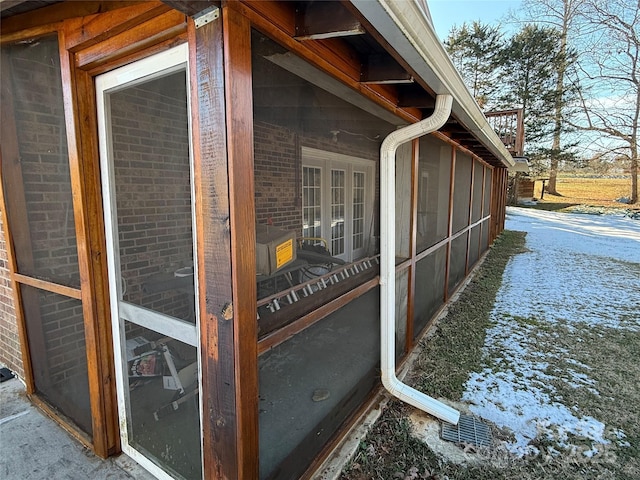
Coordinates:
146 166
337 202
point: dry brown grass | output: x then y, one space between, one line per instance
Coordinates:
602 192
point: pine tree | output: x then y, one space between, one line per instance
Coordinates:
529 75
564 16
475 50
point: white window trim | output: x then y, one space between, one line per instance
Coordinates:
328 161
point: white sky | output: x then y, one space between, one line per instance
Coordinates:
446 13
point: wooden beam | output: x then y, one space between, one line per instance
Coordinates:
229 395
192 8
470 216
58 12
387 47
81 126
283 334
336 58
383 69
48 286
239 113
82 32
413 248
143 35
447 268
7 4
213 247
415 97
321 20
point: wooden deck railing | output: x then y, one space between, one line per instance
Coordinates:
509 125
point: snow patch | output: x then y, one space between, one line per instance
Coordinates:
573 262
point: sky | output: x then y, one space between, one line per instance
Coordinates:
447 13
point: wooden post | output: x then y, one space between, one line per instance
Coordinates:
470 217
403 205
223 141
413 248
81 127
239 104
452 183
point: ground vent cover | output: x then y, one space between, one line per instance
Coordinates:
469 430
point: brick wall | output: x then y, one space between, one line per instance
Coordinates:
278 169
277 176
10 355
44 166
152 176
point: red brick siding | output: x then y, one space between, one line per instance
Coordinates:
151 155
278 169
10 355
42 142
277 176
63 326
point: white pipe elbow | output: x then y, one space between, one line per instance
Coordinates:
387 261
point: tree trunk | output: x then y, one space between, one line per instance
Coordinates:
562 66
634 173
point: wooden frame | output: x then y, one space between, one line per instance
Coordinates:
85 175
9 156
74 35
413 236
220 78
450 224
29 307
239 105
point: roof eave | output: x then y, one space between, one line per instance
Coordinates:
410 33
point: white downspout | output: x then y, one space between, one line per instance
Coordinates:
388 264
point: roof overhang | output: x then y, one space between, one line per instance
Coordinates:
409 31
521 165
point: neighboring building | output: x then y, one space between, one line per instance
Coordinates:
161 162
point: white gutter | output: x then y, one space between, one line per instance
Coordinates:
388 265
408 30
521 165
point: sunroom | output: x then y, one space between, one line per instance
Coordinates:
197 216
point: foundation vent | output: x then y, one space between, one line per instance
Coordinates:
468 431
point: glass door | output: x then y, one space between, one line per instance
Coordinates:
145 146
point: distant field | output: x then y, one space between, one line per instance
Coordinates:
588 191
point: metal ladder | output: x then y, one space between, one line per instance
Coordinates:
294 294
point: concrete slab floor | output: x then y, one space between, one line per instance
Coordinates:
34 447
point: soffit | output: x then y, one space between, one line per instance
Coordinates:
398 75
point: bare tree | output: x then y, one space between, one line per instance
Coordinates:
611 72
563 15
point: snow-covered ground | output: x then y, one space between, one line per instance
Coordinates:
581 271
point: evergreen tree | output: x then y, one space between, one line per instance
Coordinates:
529 76
564 16
475 50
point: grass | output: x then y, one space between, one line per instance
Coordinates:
580 191
609 356
454 349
